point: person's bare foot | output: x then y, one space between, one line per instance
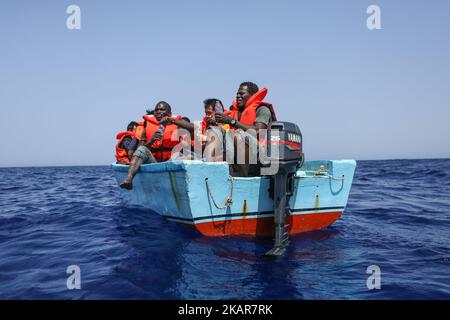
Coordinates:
126 185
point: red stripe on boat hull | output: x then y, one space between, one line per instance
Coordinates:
265 227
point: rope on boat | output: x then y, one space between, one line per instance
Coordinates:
229 200
323 173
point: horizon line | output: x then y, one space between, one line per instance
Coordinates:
104 165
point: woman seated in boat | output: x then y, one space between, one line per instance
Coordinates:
249 115
160 128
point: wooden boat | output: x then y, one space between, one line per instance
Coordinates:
204 196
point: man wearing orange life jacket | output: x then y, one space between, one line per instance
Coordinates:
249 111
124 148
160 138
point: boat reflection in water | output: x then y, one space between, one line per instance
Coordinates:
164 261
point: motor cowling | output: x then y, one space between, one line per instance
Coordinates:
285 145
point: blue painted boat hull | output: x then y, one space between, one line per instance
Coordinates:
178 191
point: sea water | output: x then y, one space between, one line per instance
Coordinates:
54 220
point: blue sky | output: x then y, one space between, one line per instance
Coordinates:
355 93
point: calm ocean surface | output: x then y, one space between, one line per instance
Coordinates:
398 217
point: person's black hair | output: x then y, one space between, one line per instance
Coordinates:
150 112
131 125
186 119
252 87
212 102
166 105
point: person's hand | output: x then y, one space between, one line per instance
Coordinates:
211 121
223 118
157 136
165 120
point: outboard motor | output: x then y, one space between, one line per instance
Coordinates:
285 151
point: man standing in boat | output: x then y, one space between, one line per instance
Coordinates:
160 129
249 114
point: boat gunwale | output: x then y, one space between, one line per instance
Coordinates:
178 166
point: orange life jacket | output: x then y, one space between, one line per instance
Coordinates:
140 130
122 153
161 150
248 116
204 125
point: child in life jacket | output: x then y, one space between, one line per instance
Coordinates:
124 147
213 106
214 133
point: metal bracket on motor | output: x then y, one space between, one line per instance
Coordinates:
283 189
